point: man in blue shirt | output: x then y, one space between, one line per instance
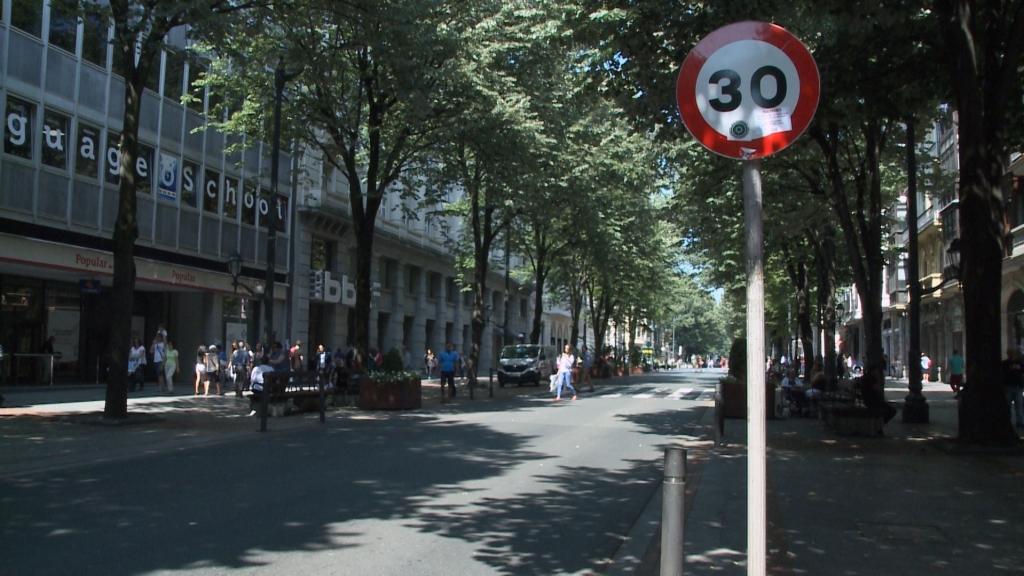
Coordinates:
447 361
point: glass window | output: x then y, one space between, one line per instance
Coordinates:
113 159
249 203
174 75
153 75
28 16
144 170
55 139
196 70
94 39
230 197
320 254
18 127
63 27
211 191
189 181
87 147
119 63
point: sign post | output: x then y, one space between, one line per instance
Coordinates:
746 91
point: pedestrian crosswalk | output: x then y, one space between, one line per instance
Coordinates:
661 393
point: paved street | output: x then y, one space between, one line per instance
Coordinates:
514 485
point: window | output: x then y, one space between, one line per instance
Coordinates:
55 139
87 147
63 28
320 254
450 291
94 39
153 75
28 16
18 127
230 197
433 285
522 307
196 71
211 191
189 179
144 170
387 273
412 279
113 159
249 203
174 75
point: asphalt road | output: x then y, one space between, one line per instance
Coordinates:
522 485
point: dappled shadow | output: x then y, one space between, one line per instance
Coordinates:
252 501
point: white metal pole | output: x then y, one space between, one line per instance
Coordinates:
756 435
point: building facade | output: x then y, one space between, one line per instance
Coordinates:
198 203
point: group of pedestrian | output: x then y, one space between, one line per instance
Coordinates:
566 365
165 362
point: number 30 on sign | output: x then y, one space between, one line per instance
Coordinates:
748 90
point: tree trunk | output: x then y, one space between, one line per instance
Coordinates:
984 76
540 273
126 231
363 281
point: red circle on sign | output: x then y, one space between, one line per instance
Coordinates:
803 113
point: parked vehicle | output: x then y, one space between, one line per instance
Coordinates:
520 363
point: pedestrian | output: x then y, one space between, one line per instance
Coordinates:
200 369
212 370
324 364
137 365
1013 383
296 361
278 358
448 361
566 361
170 365
588 363
956 372
238 365
429 363
159 351
926 365
256 384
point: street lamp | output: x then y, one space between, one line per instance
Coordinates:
953 257
234 264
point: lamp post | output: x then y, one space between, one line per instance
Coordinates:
915 407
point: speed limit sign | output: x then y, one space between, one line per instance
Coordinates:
748 90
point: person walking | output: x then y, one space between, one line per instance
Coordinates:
429 362
588 363
137 365
238 366
159 351
200 369
212 370
448 361
566 360
170 365
956 372
1013 383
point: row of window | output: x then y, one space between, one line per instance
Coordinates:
173 176
27 16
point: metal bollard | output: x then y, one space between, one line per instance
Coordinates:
323 401
490 383
672 508
719 424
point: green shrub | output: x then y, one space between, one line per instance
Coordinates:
392 361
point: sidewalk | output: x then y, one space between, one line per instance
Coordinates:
912 502
52 427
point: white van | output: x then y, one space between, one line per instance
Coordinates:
526 363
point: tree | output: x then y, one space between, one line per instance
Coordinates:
139 31
983 43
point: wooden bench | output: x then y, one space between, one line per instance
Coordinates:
844 411
294 392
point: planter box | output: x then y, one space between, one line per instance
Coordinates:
734 398
403 395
